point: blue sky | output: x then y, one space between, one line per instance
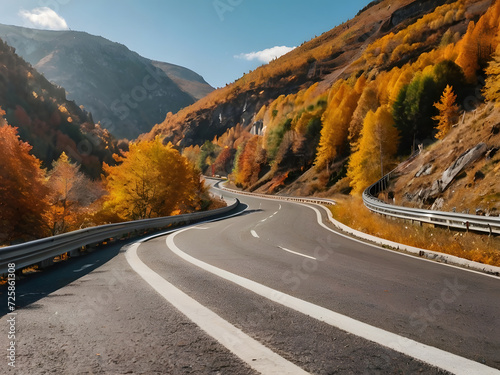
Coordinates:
219 39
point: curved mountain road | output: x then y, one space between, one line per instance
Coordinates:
274 279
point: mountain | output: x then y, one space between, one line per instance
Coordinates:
348 105
126 92
189 81
323 59
47 120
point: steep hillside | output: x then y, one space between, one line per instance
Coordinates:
189 81
323 59
458 173
340 110
47 120
124 91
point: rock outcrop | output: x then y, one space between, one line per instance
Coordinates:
441 184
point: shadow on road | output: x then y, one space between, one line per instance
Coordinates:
37 285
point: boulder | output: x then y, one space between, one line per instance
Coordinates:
425 170
461 163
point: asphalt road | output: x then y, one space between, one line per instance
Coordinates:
96 314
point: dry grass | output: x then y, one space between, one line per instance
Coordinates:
471 246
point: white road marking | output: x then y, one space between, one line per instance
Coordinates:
294 252
379 247
254 233
83 267
425 353
264 220
256 355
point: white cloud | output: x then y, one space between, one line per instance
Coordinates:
266 55
44 18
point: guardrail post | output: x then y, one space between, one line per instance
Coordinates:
46 263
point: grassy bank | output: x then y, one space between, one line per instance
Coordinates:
476 247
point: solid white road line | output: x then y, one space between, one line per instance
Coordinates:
256 355
254 233
425 353
379 247
294 252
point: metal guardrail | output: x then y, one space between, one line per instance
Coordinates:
38 251
326 201
467 222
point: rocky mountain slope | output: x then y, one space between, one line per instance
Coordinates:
126 92
189 81
47 120
460 173
323 59
337 111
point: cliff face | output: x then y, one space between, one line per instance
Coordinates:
415 9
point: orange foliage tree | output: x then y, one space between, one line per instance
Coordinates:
23 203
71 195
480 41
248 161
448 112
151 180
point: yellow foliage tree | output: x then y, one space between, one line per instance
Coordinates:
151 180
377 147
448 112
492 87
367 102
336 120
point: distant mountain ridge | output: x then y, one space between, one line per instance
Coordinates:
47 120
126 92
189 81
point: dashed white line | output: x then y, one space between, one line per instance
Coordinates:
425 353
256 355
83 268
296 253
254 233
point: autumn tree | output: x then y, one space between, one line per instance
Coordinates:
367 102
222 164
492 87
336 120
468 53
377 147
71 195
23 203
448 112
480 41
151 180
248 162
208 154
